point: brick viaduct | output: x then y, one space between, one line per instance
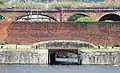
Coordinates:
64 15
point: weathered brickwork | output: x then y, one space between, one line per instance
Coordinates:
100 57
24 57
95 14
3 29
97 33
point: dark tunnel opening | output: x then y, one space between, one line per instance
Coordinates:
63 58
110 18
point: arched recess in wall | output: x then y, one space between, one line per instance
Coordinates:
2 18
63 44
36 18
110 18
80 18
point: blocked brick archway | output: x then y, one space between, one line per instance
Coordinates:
98 33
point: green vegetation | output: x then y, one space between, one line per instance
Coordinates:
58 5
108 21
66 4
80 18
84 19
3 1
1 18
79 5
22 5
75 17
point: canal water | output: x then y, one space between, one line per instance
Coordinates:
58 69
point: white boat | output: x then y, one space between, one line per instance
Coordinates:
115 65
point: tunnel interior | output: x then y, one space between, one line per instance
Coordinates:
110 18
63 57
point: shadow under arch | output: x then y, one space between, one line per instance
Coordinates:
76 16
110 17
58 56
21 17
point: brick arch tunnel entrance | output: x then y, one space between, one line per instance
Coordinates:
63 56
65 52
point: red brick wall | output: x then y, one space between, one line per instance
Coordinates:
96 33
3 29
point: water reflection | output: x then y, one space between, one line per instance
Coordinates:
58 69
